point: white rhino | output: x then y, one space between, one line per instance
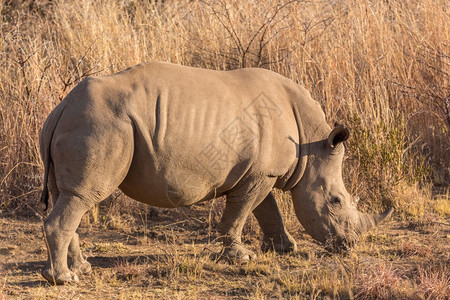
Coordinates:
171 136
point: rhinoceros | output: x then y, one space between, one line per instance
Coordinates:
171 136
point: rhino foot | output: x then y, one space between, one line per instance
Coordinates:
81 268
55 277
239 253
282 243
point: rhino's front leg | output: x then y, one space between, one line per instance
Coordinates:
276 237
233 220
240 202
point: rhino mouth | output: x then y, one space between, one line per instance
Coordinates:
334 242
344 243
340 245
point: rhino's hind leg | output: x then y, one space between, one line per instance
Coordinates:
240 202
76 261
59 229
89 164
276 237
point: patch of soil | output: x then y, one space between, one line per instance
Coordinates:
175 254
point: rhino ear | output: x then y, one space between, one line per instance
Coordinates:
338 135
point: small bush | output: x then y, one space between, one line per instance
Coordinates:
434 283
384 160
382 281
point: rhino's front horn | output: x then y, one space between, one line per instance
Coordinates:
368 221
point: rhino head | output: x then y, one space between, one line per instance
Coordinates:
322 204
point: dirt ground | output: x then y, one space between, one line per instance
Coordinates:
175 254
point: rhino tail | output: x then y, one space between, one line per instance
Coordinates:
45 142
44 194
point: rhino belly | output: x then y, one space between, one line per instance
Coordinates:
173 187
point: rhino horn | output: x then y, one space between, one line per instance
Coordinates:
378 218
368 221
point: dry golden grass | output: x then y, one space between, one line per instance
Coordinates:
382 67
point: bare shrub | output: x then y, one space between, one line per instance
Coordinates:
381 281
126 270
433 282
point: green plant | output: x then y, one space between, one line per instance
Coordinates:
383 157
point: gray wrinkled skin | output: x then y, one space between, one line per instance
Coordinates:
171 136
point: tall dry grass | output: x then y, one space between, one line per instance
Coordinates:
382 67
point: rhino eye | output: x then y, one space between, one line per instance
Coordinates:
336 200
